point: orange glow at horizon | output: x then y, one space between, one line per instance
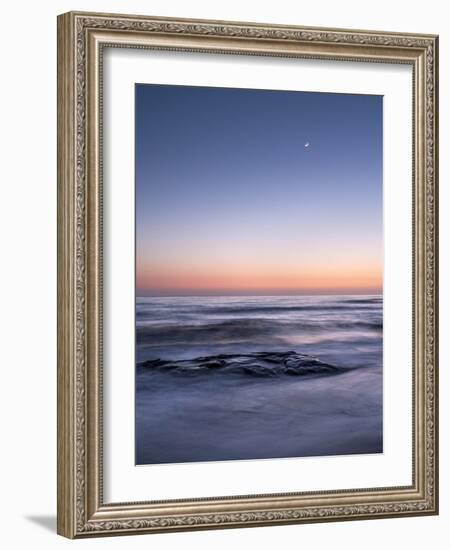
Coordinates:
337 277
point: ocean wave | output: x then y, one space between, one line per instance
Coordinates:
143 310
258 364
245 328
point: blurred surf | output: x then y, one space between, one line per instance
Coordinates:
221 378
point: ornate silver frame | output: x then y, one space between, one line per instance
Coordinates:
81 39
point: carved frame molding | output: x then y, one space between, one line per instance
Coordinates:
81 39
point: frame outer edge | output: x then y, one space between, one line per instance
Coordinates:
66 524
435 161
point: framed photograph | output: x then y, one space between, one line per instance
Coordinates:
247 276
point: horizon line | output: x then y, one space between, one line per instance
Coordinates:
228 295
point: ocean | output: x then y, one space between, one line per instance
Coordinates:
258 377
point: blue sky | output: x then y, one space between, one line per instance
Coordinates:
257 192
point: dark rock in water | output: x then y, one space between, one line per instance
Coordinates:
261 364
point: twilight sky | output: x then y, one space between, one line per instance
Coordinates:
257 192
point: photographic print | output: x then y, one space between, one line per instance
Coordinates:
259 263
